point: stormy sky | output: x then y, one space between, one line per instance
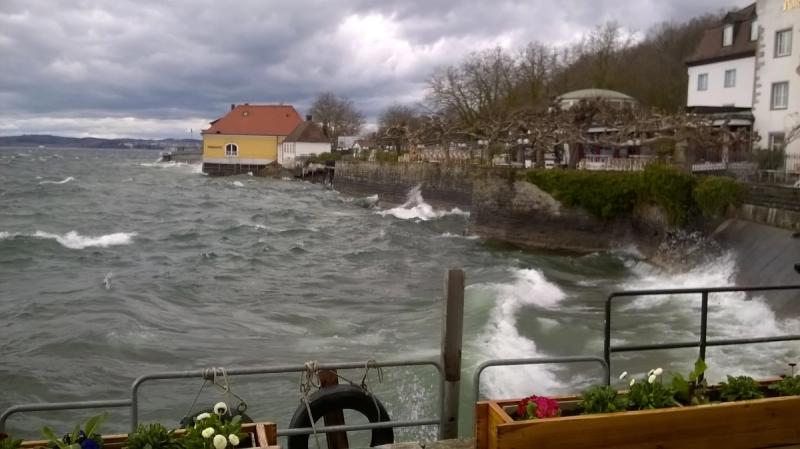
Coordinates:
153 69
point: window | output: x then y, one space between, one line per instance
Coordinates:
783 43
727 36
730 78
754 31
776 141
232 149
702 81
780 95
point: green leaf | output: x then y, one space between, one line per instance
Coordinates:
94 423
49 434
699 369
236 420
531 410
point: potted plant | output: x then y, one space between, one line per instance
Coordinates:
683 413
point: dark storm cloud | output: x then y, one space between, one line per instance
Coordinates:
70 66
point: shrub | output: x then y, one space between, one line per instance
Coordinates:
671 189
788 386
606 195
739 388
601 399
715 194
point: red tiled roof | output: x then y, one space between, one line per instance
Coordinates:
260 120
710 48
307 131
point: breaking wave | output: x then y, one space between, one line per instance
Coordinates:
501 338
63 181
415 208
73 240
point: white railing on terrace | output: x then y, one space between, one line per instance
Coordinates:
610 163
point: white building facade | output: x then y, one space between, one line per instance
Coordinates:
748 67
307 139
776 105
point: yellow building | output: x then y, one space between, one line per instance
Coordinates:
247 138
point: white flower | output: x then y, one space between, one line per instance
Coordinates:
650 373
633 381
651 379
623 375
658 371
207 432
233 439
202 416
220 408
220 442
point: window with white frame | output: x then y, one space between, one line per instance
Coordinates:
754 31
702 81
780 95
777 141
232 149
730 78
783 43
727 36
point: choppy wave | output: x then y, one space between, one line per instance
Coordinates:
195 167
63 181
415 208
449 235
238 183
73 240
731 315
502 340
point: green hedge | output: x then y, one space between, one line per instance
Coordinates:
611 195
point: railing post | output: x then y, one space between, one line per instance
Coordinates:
452 330
703 326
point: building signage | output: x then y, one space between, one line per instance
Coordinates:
789 5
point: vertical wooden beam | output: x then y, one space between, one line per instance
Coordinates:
452 331
336 440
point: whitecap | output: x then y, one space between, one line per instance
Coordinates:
415 208
449 235
238 183
73 240
107 280
501 338
63 181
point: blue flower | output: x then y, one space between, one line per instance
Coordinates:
89 444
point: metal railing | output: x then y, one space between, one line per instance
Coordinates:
205 374
703 342
476 380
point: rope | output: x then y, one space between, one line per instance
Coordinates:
306 383
372 363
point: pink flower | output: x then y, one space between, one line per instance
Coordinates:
538 407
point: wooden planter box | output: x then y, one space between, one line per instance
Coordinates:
760 423
262 434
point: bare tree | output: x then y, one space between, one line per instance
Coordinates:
338 116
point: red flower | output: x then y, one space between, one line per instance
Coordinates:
537 407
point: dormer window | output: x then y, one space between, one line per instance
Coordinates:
727 35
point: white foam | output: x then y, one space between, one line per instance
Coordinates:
107 280
449 235
415 208
502 340
6 235
731 315
73 240
238 183
63 181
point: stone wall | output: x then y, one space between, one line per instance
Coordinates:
441 186
518 212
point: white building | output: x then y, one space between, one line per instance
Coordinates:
776 104
746 70
307 139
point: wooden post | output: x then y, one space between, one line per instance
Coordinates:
452 330
336 440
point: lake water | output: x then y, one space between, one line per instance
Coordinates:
113 266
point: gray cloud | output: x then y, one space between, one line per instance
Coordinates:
153 68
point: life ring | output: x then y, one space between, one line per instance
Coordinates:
340 397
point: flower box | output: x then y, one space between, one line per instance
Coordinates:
759 423
262 434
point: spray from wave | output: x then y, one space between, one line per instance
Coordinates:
63 181
73 240
415 208
731 316
501 338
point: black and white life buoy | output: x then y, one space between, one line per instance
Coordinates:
340 397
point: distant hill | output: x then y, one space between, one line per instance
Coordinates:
35 140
